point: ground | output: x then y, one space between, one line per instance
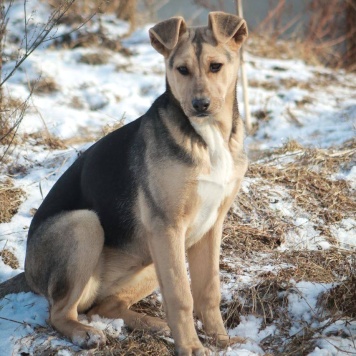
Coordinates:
288 256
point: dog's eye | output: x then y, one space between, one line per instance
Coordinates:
183 70
215 67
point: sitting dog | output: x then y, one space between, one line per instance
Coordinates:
119 222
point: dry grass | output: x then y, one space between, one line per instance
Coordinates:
265 299
130 343
323 266
268 298
268 47
150 306
137 343
105 130
340 300
305 175
252 225
9 258
307 178
46 139
10 200
44 86
286 83
9 105
95 58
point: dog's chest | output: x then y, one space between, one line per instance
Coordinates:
214 186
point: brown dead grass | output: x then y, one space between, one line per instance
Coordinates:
252 228
9 258
264 299
133 343
46 139
10 200
137 343
252 225
307 178
267 298
112 127
340 300
272 86
325 266
150 306
276 86
44 86
8 121
318 195
269 47
95 58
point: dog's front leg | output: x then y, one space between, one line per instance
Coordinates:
168 252
204 271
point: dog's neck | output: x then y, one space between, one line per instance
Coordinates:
227 117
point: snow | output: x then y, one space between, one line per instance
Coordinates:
125 87
251 329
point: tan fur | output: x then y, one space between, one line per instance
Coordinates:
89 237
194 198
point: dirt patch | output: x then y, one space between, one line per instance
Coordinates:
10 200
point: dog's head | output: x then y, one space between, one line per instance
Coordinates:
201 62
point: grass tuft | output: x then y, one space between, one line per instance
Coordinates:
10 200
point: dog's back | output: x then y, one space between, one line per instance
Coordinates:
102 179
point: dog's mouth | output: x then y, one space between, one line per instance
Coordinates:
202 114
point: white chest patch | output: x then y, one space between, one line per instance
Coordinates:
215 186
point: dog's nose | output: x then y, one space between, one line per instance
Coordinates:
201 105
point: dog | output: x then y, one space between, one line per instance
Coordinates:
120 221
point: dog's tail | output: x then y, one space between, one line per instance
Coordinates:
15 284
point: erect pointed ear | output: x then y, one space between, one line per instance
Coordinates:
165 35
227 27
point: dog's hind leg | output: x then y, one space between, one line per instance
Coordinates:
132 289
63 263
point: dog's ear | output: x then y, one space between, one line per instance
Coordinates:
228 28
165 35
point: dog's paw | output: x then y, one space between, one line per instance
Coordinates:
89 338
237 340
198 350
223 341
